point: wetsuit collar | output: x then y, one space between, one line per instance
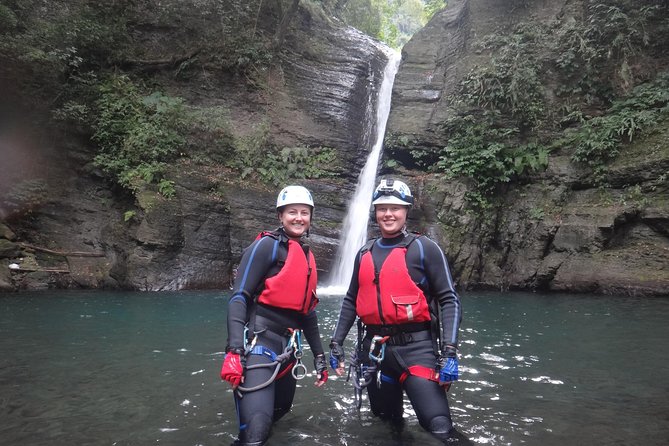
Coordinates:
392 241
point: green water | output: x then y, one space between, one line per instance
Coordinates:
100 368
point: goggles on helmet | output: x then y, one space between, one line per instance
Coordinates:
389 191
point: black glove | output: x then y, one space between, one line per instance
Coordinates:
337 357
449 351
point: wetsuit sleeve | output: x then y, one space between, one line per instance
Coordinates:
348 313
257 259
438 282
310 329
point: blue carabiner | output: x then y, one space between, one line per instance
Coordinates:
298 345
298 342
382 349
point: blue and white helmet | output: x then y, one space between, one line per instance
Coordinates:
294 195
391 191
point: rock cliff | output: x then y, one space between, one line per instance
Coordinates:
82 233
556 231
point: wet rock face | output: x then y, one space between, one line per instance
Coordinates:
438 56
334 89
552 234
319 94
559 232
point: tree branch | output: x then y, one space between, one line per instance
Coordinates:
62 253
156 64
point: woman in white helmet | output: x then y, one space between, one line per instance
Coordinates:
402 291
270 310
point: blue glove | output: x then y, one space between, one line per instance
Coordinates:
449 371
448 365
337 357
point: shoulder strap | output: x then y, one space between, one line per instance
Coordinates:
368 245
408 239
280 237
277 234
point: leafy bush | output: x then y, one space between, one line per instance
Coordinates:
510 100
8 20
511 82
486 156
599 140
138 135
57 41
614 33
255 157
392 22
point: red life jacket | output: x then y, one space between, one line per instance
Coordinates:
389 296
294 286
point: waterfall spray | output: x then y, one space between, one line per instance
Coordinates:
354 230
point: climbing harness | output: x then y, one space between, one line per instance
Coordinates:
293 348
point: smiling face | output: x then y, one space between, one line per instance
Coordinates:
391 218
295 219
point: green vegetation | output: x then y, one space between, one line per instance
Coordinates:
52 49
74 60
486 155
391 21
138 135
255 158
542 88
549 87
511 82
600 139
614 34
129 215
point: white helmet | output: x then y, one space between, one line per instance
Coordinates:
294 195
392 192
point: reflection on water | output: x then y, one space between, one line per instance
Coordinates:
134 369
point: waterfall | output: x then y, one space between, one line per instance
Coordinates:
354 229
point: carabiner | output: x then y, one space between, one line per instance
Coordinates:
295 342
249 345
293 335
382 349
303 370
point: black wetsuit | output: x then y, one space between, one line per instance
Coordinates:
258 409
429 270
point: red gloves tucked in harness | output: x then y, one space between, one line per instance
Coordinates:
232 370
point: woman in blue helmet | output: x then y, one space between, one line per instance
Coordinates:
271 309
402 292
